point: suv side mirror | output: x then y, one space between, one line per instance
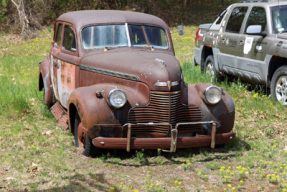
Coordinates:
180 30
255 30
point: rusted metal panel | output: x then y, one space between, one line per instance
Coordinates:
60 115
161 143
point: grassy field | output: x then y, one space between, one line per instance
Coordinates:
37 155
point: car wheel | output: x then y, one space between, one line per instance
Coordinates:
82 140
279 85
209 68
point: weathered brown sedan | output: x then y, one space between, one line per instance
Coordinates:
117 85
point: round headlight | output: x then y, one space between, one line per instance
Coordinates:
213 94
117 98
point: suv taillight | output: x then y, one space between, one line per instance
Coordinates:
198 36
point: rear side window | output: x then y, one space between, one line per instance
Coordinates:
69 43
257 17
236 19
59 34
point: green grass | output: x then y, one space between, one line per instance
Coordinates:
36 154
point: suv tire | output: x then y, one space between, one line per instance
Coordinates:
279 85
210 69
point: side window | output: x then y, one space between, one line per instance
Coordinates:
59 35
257 17
236 19
69 39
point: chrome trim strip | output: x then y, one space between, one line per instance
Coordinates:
110 73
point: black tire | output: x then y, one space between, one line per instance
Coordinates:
277 82
89 148
210 69
194 62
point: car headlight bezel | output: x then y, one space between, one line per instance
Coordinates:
113 95
211 92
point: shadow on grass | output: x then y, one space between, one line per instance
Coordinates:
80 182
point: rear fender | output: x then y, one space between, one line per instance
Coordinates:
98 118
45 81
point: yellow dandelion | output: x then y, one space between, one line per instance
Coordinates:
112 188
179 183
151 185
157 184
233 188
229 185
176 181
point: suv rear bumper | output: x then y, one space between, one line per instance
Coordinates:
172 142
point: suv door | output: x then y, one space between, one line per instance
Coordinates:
228 42
68 68
253 48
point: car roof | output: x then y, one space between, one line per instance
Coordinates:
269 3
96 17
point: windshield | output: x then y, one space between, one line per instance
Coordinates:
279 18
101 36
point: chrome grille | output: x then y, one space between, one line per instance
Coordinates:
165 108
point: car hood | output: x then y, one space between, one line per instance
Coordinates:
160 71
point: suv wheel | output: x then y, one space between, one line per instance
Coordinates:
279 85
209 68
82 140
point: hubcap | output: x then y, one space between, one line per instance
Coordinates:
281 90
81 135
210 69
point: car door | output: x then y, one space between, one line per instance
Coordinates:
68 66
228 40
55 51
252 49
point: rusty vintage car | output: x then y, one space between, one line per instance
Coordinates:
117 84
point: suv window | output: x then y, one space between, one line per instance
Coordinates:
257 17
279 15
59 34
236 19
69 39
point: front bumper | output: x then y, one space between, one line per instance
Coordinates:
171 143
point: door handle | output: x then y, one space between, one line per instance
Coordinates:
241 42
223 40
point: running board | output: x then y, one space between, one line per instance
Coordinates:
60 115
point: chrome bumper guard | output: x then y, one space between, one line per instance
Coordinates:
174 132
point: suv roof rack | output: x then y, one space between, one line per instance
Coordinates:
251 1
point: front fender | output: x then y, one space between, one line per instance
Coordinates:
98 118
222 112
45 81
